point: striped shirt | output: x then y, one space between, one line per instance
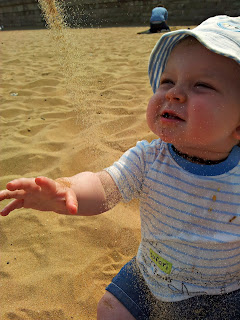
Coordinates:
190 220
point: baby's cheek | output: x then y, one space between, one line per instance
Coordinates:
149 114
153 109
151 117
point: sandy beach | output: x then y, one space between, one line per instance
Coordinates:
69 103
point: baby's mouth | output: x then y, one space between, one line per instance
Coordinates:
171 116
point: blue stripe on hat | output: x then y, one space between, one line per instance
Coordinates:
159 57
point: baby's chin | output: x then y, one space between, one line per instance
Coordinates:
179 144
170 140
169 135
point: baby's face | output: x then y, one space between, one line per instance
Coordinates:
197 105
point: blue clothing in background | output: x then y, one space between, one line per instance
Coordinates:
159 14
158 20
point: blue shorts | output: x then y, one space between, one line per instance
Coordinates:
129 287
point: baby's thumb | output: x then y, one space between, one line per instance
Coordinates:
71 202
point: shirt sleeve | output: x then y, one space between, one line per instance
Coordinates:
166 15
128 172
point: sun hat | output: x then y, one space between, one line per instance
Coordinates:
220 34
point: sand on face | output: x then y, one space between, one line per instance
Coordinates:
58 119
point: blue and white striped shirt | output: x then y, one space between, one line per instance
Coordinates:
190 220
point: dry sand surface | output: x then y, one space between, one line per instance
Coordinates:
68 105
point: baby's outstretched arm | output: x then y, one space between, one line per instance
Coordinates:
86 193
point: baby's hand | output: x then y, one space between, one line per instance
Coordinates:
41 194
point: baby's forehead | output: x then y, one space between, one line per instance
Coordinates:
182 48
188 41
190 51
191 41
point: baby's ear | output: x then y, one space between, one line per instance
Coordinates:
236 133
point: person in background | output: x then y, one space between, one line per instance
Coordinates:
158 19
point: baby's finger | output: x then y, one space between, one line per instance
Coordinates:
22 183
46 184
16 204
71 202
17 194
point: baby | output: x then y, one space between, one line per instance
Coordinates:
187 181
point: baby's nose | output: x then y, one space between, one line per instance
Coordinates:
176 93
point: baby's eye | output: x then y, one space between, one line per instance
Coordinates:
166 81
204 85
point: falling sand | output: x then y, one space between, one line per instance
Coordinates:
68 53
52 266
